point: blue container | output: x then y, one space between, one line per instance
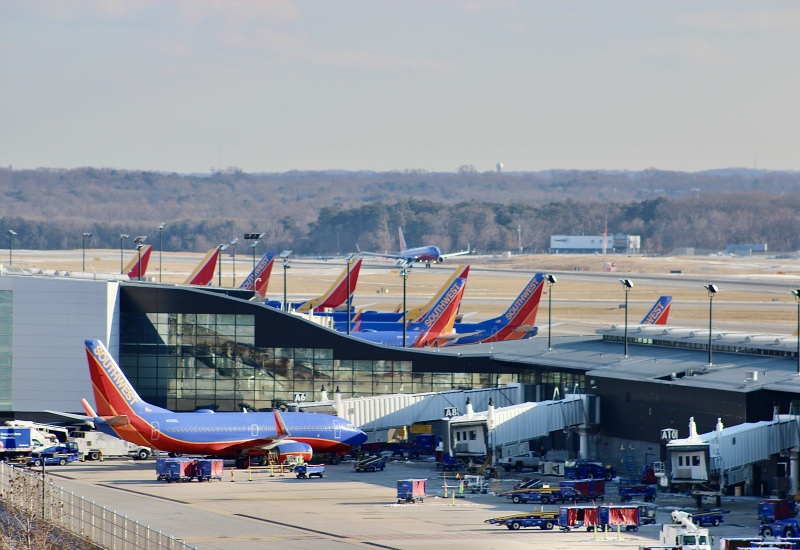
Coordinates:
410 490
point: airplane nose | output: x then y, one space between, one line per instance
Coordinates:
357 438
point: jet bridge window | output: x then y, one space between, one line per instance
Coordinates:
473 435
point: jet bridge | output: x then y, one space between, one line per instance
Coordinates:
724 457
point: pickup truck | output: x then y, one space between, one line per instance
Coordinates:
530 460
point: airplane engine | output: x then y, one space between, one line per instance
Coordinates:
440 260
291 450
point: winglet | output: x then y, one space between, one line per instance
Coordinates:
280 427
88 408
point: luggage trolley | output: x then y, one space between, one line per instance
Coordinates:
411 490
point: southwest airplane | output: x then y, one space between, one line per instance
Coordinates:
433 329
412 315
515 324
203 274
334 297
659 313
240 435
260 275
425 254
137 267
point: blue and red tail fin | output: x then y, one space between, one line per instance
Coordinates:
258 280
403 245
336 295
659 313
113 394
441 317
517 322
203 274
133 268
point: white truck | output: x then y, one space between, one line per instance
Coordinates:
93 445
684 534
530 460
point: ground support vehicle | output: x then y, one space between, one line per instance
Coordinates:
686 536
450 463
411 490
589 470
530 460
476 484
573 517
304 471
778 518
708 517
541 519
629 492
18 443
55 455
544 495
583 490
95 445
370 464
208 469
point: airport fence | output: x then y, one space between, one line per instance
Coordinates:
32 505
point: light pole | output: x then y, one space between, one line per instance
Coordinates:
285 257
221 249
139 240
233 253
11 234
254 239
83 262
712 289
627 285
551 280
796 294
122 238
349 258
405 270
160 247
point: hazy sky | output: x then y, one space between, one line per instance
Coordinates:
279 85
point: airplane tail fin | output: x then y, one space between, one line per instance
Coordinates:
258 280
114 396
659 313
403 245
417 313
204 272
137 268
523 310
442 316
336 295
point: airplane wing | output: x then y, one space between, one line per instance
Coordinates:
460 253
89 420
392 256
265 443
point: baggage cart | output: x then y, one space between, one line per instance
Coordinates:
208 469
629 492
411 490
307 471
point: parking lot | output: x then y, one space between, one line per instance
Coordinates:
346 509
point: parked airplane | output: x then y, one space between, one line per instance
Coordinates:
425 254
515 324
260 275
334 297
659 313
433 329
412 315
122 413
137 267
203 274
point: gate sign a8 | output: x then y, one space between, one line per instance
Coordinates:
450 412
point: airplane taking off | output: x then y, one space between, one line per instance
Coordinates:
260 275
515 324
433 329
659 313
425 254
240 435
133 267
203 274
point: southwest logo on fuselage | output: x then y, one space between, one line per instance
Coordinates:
115 375
526 293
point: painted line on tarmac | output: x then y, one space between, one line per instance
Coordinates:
144 494
292 526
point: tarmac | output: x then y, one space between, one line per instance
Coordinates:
251 510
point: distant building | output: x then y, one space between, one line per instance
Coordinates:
746 249
591 244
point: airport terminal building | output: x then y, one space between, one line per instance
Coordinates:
185 348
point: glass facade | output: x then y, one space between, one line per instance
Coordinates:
230 359
6 347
